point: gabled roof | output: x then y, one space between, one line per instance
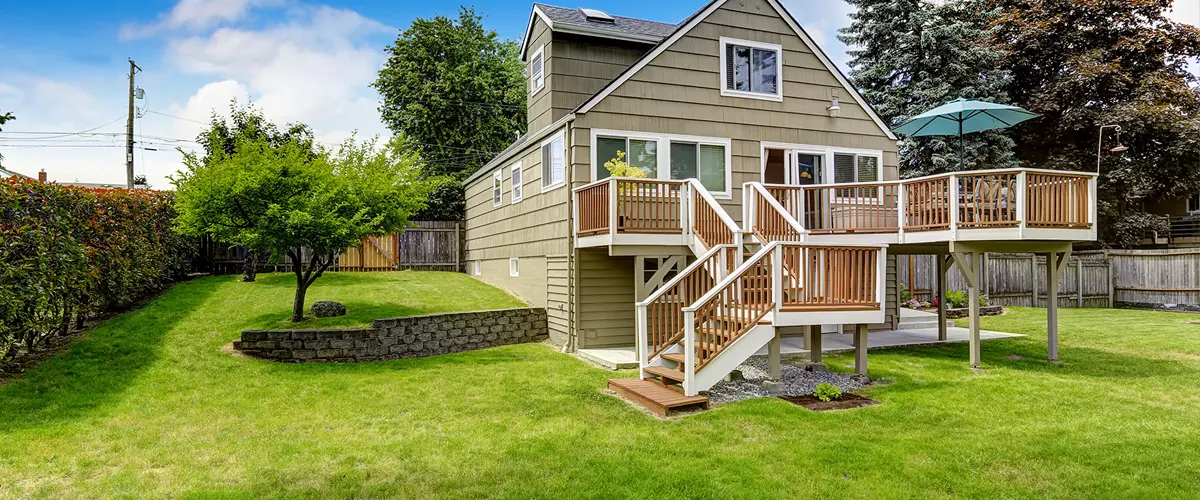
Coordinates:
695 19
564 20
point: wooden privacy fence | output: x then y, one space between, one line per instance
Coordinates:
427 245
1017 279
1157 278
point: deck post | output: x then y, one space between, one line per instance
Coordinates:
814 343
860 349
967 259
1055 262
943 265
773 350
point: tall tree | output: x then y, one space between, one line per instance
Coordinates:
456 91
291 199
908 56
1083 64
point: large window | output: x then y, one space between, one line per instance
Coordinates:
751 69
537 71
497 192
640 153
553 168
517 183
666 157
849 167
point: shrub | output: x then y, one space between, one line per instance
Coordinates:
67 252
960 298
912 304
827 392
905 295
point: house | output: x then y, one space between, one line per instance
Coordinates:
1181 216
771 204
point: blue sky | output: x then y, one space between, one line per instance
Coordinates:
64 67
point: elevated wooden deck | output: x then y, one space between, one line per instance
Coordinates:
655 396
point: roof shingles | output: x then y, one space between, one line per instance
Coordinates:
619 26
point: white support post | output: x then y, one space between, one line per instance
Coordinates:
968 264
687 210
800 208
881 279
1093 206
739 241
777 277
954 207
643 341
751 213
1019 201
901 216
612 207
689 352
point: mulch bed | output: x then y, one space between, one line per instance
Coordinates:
846 402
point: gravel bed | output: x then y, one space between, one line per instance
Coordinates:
795 381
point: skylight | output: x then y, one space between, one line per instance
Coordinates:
598 16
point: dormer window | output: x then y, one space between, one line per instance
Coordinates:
751 69
537 71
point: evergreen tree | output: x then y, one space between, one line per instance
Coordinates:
908 56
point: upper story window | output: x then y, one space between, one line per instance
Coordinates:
553 162
537 71
666 157
751 69
497 192
518 186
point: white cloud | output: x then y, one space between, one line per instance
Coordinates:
314 68
196 15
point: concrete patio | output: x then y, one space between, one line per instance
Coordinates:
916 328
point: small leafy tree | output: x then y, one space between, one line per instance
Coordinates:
294 200
5 118
617 167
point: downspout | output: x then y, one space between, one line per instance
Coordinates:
572 296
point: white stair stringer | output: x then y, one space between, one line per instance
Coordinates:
730 358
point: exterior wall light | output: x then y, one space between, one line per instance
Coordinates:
833 109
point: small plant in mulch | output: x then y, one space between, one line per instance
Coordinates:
827 392
829 397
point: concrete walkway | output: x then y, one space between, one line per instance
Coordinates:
617 358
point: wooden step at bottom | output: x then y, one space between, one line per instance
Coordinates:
654 396
665 373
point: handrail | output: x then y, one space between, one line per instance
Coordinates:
707 219
660 315
592 207
789 230
728 310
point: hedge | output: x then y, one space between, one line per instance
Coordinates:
67 253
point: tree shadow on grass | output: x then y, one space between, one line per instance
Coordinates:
1025 355
98 367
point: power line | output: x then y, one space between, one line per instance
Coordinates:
66 134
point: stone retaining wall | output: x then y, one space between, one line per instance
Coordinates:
396 338
965 312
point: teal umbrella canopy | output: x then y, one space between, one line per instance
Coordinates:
961 116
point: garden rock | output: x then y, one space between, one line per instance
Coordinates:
328 309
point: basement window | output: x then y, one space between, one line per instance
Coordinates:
514 267
478 268
751 69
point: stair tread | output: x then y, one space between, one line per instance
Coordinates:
654 396
665 372
676 357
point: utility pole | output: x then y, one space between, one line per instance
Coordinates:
133 69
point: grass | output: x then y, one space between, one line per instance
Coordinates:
368 296
148 406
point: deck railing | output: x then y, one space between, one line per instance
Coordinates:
967 200
766 209
831 278
648 206
730 309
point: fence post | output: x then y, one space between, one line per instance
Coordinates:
457 247
1033 280
1111 281
1079 281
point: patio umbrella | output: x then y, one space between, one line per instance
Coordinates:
962 116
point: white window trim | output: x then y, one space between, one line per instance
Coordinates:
532 79
497 188
778 95
1187 204
478 268
514 267
517 179
563 182
664 154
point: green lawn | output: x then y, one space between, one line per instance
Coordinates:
148 406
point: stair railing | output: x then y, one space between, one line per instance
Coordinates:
660 321
766 218
710 224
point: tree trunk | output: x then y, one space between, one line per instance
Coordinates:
250 267
298 303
